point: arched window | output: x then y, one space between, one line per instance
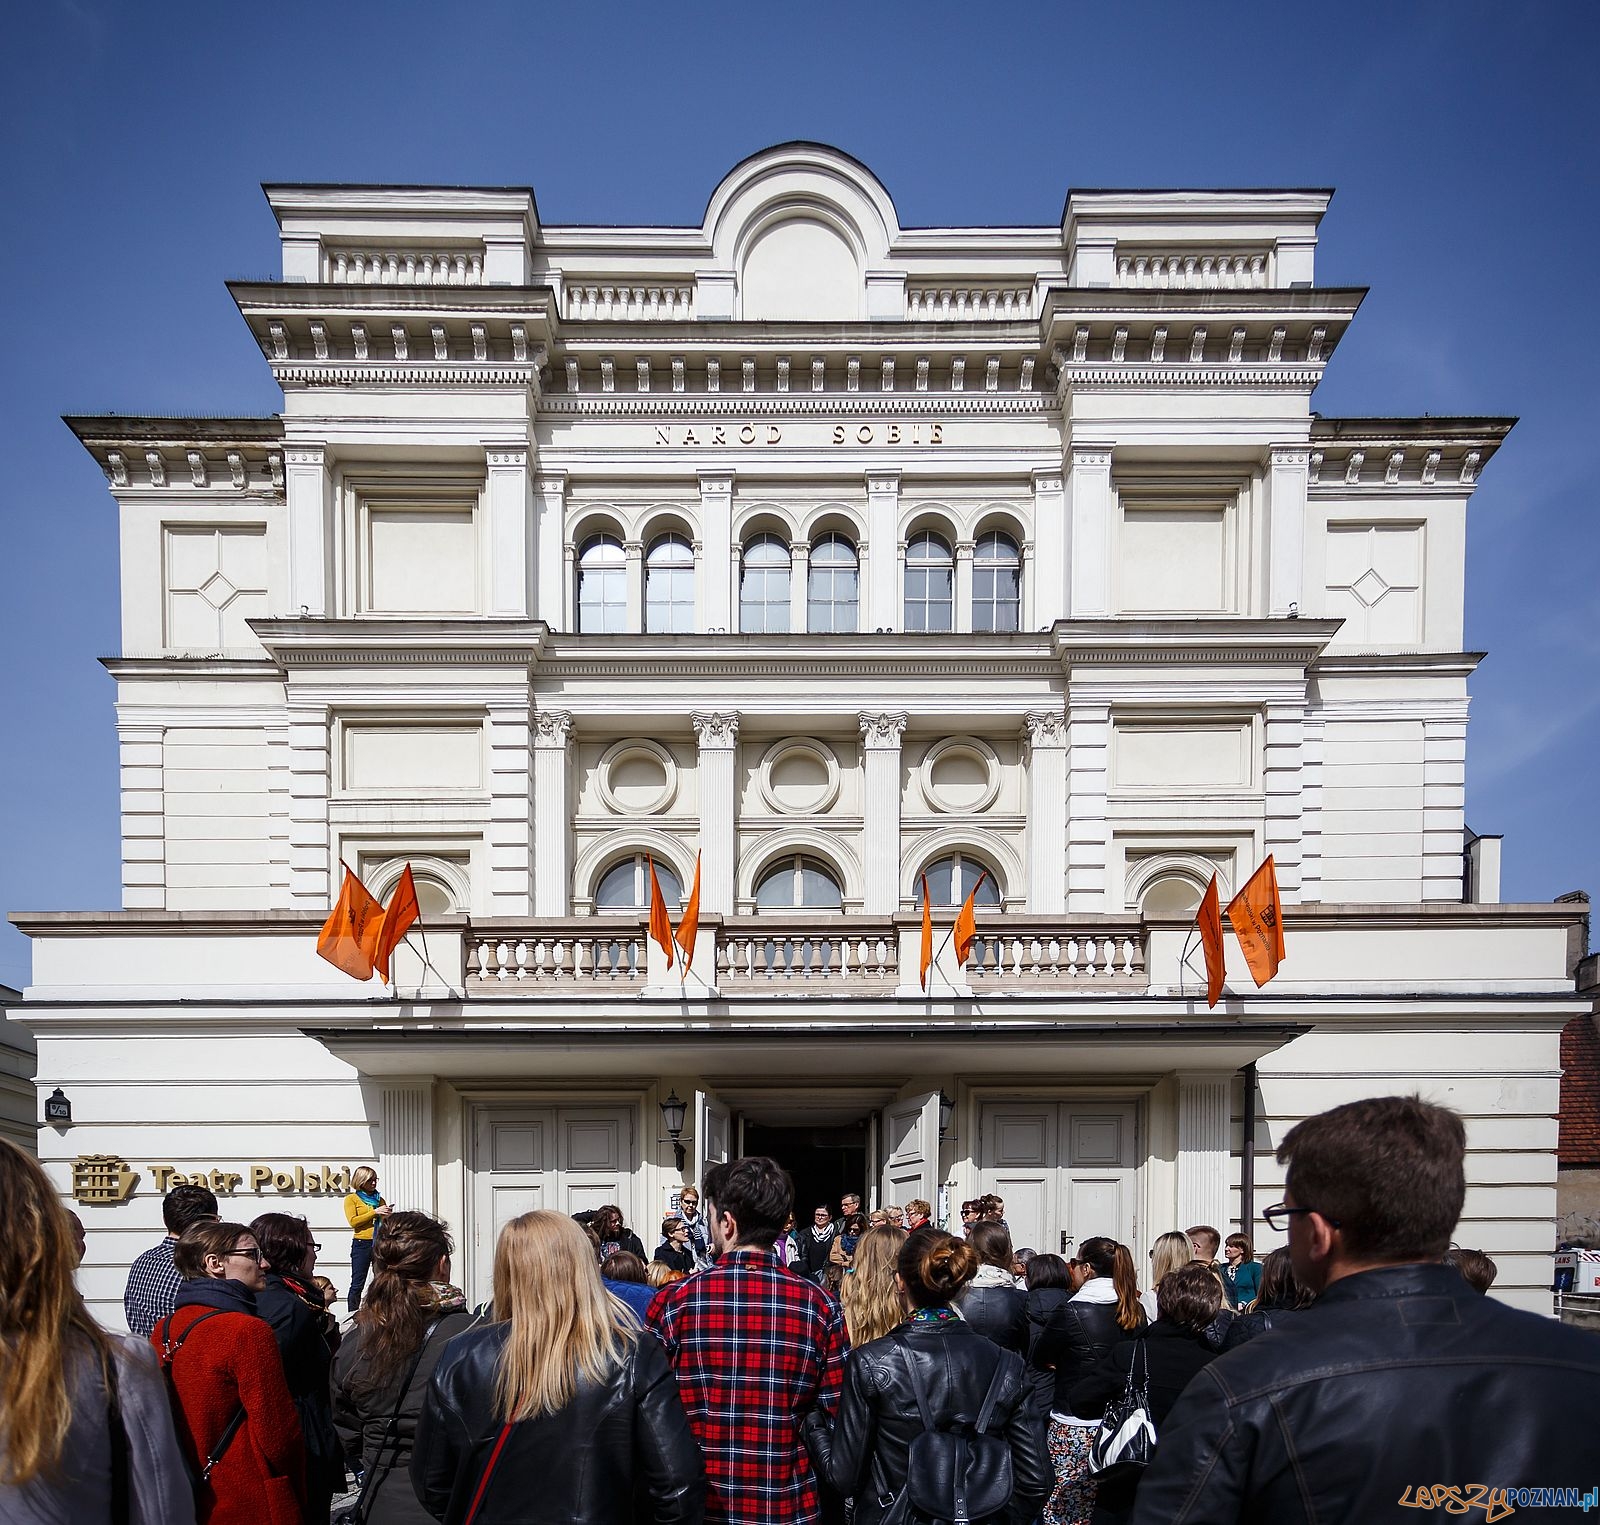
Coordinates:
996 583
950 881
764 587
602 586
798 883
625 886
669 586
930 583
1171 895
833 585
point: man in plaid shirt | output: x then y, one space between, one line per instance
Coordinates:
755 1349
153 1280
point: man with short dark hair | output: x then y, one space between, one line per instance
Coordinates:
1399 1374
1206 1241
153 1280
1476 1269
755 1348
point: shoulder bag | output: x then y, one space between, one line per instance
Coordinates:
1126 1439
958 1476
169 1353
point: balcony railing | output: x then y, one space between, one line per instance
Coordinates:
797 951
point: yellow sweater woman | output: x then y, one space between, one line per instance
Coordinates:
364 1208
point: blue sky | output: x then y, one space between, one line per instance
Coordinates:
1462 138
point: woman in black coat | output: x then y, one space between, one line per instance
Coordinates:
566 1411
1170 1353
307 1336
865 1455
675 1250
994 1304
1280 1301
382 1370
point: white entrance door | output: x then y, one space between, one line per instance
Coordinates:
1066 1170
909 1130
566 1158
713 1129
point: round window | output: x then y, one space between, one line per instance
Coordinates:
637 778
961 776
800 778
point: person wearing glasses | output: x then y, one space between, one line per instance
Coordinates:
233 1404
307 1339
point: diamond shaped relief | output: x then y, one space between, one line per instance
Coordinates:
217 590
1369 587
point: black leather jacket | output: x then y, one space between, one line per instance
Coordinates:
1393 1378
619 1451
865 1454
1070 1336
997 1314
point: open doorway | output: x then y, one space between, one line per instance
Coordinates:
825 1159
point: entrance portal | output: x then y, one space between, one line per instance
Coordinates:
825 1160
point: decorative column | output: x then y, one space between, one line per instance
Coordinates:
799 585
405 1143
882 602
880 839
511 548
1088 511
1203 1127
1286 519
633 550
144 830
1046 749
1045 580
1444 782
510 836
718 738
717 562
962 612
1281 785
310 880
1088 820
553 585
308 491
551 730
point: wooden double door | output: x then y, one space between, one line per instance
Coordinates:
1066 1169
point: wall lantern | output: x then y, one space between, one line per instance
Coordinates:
673 1113
947 1110
57 1109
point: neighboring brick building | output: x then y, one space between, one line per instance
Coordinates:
1578 1145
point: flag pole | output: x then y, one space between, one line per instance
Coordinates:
951 933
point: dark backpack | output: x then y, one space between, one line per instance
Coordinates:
958 1476
199 1477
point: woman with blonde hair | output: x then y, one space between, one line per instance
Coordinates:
85 1428
560 1410
872 1301
1168 1253
364 1210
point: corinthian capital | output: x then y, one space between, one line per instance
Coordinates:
1046 728
551 727
883 729
715 730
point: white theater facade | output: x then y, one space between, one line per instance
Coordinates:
839 554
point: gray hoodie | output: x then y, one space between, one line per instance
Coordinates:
79 1493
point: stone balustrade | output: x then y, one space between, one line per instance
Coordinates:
403 267
945 304
592 953
1034 951
636 302
816 952
1194 270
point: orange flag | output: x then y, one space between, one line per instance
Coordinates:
400 912
966 927
1209 920
689 923
1257 917
660 922
350 933
927 933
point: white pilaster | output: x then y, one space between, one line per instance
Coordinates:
554 580
799 584
510 837
308 489
1203 1125
962 613
1045 587
718 564
883 552
1281 782
511 548
310 878
1088 509
1311 755
551 852
634 551
278 888
880 838
718 738
1286 511
405 1144
1088 824
144 873
1444 826
1047 811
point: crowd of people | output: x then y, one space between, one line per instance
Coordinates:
871 1366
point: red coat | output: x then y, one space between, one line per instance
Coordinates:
233 1359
